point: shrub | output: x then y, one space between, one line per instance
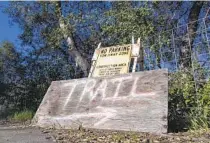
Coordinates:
23 116
181 95
188 108
201 114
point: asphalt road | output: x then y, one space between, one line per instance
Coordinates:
24 135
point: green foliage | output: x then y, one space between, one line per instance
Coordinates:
178 110
188 109
201 114
22 116
25 79
124 20
10 75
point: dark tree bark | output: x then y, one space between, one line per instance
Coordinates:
185 51
193 16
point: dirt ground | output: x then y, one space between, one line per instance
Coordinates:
105 136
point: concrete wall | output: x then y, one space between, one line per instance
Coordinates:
134 101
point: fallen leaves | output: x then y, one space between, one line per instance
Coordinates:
108 136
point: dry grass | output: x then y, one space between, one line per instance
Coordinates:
22 116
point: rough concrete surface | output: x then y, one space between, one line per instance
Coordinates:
133 102
24 135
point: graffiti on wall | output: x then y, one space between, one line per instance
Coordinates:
109 102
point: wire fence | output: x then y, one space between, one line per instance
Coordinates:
180 49
185 52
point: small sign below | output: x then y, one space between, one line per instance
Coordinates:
112 60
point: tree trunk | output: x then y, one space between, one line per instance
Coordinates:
186 50
73 51
193 16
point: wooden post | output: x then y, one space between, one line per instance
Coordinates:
136 55
94 59
141 55
134 58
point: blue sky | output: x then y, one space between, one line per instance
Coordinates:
7 31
